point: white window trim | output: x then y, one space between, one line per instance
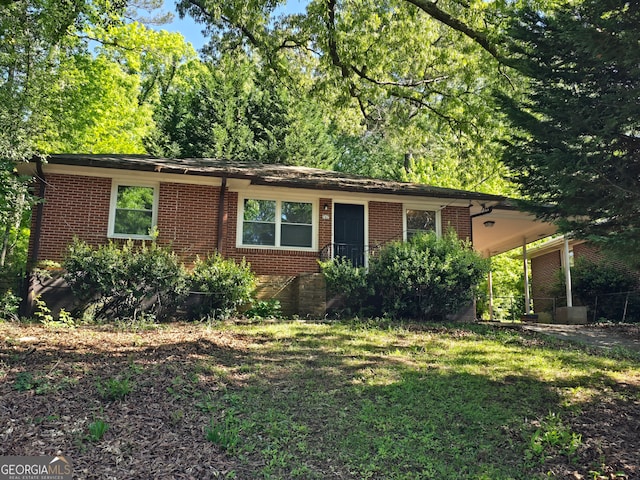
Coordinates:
278 222
409 206
114 200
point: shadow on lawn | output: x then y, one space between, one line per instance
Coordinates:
316 401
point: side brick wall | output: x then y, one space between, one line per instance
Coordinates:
544 272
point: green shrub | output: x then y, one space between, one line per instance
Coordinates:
9 306
264 309
426 277
590 279
602 281
124 281
347 285
224 285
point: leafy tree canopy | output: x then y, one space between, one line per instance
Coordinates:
420 74
577 147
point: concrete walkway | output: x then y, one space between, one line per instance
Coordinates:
607 337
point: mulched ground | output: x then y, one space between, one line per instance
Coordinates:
157 433
153 433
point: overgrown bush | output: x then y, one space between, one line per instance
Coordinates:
125 281
348 286
426 277
589 279
602 280
224 284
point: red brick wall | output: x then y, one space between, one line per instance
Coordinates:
458 219
544 274
277 262
588 251
593 253
326 224
188 219
385 222
78 206
74 207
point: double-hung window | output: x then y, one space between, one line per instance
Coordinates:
419 220
277 223
133 210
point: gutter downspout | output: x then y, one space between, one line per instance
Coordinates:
28 300
222 216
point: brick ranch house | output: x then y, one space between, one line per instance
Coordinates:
281 219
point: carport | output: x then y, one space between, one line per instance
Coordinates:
502 227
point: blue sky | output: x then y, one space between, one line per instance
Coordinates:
192 31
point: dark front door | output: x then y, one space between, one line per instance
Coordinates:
348 232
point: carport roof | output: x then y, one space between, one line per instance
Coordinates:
506 228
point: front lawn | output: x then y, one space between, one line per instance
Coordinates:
304 400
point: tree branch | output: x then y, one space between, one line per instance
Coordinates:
361 72
331 39
432 9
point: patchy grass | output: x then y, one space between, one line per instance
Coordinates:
287 400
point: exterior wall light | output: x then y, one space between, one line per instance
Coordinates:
489 223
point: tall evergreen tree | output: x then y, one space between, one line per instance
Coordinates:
228 108
577 147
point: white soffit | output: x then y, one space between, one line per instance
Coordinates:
510 229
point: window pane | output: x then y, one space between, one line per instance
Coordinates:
135 198
258 233
296 212
296 235
260 210
424 220
132 222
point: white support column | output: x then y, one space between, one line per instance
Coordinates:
490 286
525 264
567 271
